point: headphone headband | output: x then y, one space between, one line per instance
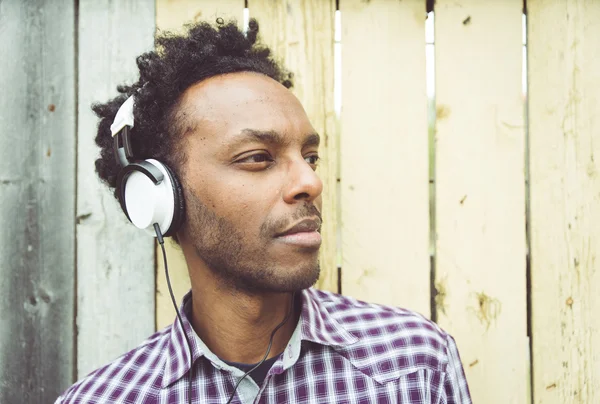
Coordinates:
123 118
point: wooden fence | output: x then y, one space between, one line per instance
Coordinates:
511 272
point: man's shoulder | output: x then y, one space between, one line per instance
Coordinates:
393 338
134 373
363 319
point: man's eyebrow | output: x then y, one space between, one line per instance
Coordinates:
312 140
274 137
264 136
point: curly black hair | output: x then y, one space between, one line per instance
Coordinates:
178 62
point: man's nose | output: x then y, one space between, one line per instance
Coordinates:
303 183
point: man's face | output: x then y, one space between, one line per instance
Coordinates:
249 179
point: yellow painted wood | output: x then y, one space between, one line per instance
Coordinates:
301 34
170 16
480 215
384 163
564 113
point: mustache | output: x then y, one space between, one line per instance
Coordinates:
304 211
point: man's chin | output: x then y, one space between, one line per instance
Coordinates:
293 259
281 280
300 278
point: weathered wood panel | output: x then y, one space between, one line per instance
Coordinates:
480 272
37 199
301 35
170 16
115 261
384 163
564 116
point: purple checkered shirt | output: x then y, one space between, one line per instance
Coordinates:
342 351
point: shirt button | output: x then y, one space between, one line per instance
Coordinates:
290 353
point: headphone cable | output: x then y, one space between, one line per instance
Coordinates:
268 348
161 241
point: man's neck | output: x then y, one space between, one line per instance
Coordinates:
237 326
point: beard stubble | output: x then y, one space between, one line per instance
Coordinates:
240 263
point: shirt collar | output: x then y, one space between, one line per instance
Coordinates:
316 324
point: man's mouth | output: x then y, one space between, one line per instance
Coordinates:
305 233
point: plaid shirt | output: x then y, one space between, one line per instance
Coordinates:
342 351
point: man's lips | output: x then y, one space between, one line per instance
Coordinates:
303 234
303 226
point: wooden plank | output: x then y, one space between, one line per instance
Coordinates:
564 131
481 245
37 199
115 261
170 16
384 164
301 35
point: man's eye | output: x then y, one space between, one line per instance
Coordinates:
312 159
257 158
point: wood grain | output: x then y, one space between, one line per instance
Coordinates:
115 261
564 115
301 36
480 215
37 199
383 149
171 15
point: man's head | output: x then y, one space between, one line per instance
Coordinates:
217 109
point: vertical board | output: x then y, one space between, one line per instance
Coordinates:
171 15
37 199
115 261
480 207
384 164
301 36
564 116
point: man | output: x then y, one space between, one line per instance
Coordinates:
215 108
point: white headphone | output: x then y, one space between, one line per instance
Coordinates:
148 190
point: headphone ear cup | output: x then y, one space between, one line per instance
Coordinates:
178 202
150 192
147 195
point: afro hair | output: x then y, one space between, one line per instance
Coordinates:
178 62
